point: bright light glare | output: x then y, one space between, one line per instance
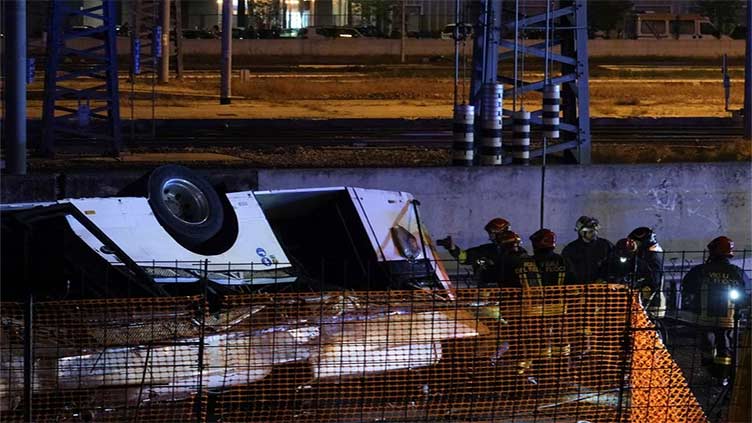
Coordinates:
623 259
734 294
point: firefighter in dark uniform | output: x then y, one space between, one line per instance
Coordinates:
650 251
713 295
588 252
542 314
510 256
482 257
624 266
545 267
648 248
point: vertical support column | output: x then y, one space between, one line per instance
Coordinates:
491 124
550 115
485 51
491 44
164 69
225 86
748 76
583 84
463 145
15 78
519 147
576 95
94 86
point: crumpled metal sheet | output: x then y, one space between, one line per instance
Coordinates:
342 345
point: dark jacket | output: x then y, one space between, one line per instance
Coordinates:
506 266
587 257
654 261
706 288
482 258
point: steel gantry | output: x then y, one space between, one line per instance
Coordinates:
81 82
566 20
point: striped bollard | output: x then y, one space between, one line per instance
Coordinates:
491 125
462 128
551 107
519 147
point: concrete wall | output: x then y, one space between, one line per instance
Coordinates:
434 47
687 204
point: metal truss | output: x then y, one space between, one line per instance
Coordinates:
147 16
81 98
569 20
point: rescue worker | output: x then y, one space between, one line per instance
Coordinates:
541 310
624 266
482 257
650 251
510 256
544 267
554 269
713 295
588 252
648 248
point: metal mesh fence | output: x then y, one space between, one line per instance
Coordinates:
564 353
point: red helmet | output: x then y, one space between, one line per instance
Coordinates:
543 239
508 238
721 247
625 246
497 224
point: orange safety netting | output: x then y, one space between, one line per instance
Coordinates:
546 355
660 392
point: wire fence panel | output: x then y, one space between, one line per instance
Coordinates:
337 356
109 360
293 352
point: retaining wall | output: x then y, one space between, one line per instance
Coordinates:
687 204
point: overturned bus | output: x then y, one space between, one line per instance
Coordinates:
183 235
184 238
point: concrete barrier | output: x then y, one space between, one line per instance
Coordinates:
687 204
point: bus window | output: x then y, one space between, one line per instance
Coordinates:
683 27
706 28
655 27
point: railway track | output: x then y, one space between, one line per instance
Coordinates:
389 133
426 133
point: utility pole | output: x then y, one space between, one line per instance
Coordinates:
403 33
15 78
748 76
164 69
225 88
